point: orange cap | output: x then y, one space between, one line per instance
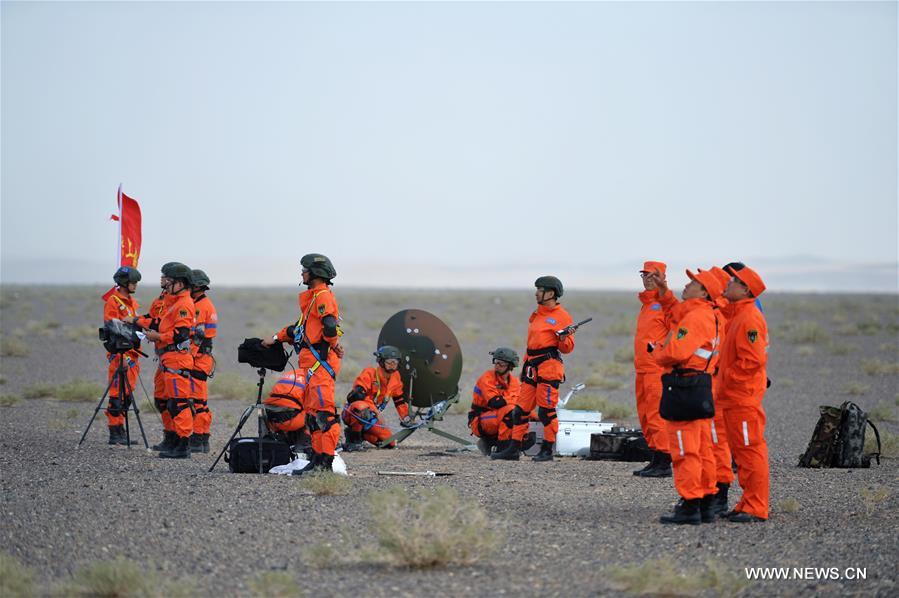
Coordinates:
653 266
709 281
750 278
722 276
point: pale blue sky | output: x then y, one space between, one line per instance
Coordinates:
430 137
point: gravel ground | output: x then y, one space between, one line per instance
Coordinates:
566 524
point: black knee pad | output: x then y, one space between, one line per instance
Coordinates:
507 418
311 424
114 408
160 404
519 416
176 406
545 415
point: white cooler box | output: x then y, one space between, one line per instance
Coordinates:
575 428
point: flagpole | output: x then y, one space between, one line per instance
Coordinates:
118 249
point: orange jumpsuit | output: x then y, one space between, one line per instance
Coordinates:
205 329
743 380
543 372
724 472
150 321
122 307
652 326
316 303
176 361
288 392
691 344
492 401
379 388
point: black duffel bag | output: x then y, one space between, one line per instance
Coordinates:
252 351
242 455
686 396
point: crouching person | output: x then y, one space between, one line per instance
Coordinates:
493 398
285 415
372 390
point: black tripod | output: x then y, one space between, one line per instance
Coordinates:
263 430
128 402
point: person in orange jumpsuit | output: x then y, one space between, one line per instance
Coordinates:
652 326
743 381
373 389
121 305
550 334
173 347
692 344
492 400
150 321
205 329
285 413
315 337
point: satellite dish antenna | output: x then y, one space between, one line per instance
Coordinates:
430 367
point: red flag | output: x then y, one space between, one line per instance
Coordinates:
129 233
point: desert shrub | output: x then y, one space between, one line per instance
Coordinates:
86 334
231 385
12 346
609 409
868 326
889 444
433 529
659 577
841 348
326 483
788 505
8 400
320 555
623 326
624 355
784 382
16 580
274 584
2 380
876 367
856 389
872 497
118 578
807 332
71 413
602 383
79 390
883 413
610 368
805 350
39 391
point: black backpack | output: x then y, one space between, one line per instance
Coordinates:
839 439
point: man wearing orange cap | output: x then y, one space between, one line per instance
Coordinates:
691 351
652 326
743 380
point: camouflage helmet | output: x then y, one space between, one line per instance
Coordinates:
125 275
505 354
199 279
550 282
318 265
178 271
387 352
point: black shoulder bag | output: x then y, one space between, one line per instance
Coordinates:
687 393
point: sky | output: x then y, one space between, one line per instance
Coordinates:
456 144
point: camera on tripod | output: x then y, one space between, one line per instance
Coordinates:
119 336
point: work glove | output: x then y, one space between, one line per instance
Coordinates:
496 402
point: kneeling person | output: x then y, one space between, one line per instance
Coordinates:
373 388
494 395
284 407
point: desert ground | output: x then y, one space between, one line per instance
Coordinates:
566 528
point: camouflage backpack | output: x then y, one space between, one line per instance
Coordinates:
839 439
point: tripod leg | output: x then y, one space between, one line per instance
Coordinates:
130 390
96 411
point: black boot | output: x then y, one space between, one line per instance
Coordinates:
196 443
650 465
662 468
685 512
180 451
205 447
353 441
113 435
510 453
707 506
720 506
169 440
314 460
485 446
123 436
325 463
546 452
